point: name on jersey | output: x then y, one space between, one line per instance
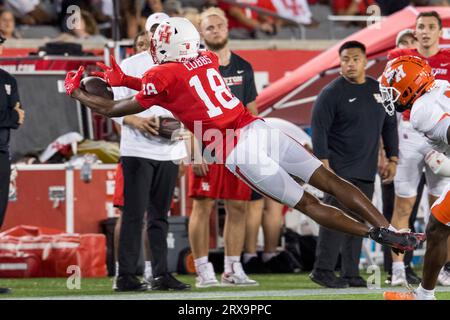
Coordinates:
234 81
440 71
197 63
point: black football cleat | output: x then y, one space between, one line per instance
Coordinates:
399 241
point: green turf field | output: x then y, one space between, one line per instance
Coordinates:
290 286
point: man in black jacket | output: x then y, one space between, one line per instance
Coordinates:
347 123
11 117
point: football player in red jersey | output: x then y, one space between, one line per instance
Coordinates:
187 82
413 146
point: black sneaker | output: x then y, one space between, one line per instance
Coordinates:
357 282
129 283
255 265
5 290
168 282
411 276
327 279
400 242
283 262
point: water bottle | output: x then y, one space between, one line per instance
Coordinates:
86 168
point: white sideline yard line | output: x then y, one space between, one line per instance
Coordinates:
225 294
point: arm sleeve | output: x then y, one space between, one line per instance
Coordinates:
9 117
390 136
250 87
322 119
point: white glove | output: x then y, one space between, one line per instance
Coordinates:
438 163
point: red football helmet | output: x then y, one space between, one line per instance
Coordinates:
403 81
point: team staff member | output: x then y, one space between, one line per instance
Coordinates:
209 182
150 172
347 122
141 43
413 145
11 117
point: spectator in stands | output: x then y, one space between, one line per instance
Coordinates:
244 23
150 7
29 11
94 7
351 151
173 8
350 7
85 29
12 116
197 4
8 25
130 19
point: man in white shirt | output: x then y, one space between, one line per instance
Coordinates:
150 170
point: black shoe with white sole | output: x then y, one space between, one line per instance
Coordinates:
129 283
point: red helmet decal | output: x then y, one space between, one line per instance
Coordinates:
165 34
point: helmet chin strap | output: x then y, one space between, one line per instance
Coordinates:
409 104
401 108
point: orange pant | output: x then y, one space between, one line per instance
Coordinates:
441 208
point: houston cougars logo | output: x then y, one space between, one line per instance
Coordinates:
165 34
397 73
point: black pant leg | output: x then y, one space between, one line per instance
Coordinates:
138 175
328 243
351 246
163 186
5 174
410 254
388 195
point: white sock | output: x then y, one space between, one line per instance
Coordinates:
229 260
117 268
398 265
268 255
424 293
391 228
198 262
248 256
148 269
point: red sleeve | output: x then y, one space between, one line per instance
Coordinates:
395 53
338 5
154 88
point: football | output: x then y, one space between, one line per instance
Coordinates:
167 126
97 86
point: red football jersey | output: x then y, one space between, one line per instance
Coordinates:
440 63
197 95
